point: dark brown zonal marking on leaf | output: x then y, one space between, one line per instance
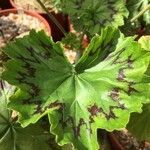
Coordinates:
130 62
30 70
46 55
111 114
31 50
131 89
22 78
26 101
61 111
34 91
44 45
55 104
70 121
22 74
118 53
94 110
78 127
91 120
114 94
31 101
1 85
52 105
38 109
121 74
27 59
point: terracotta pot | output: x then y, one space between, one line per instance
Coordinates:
5 4
63 21
7 11
55 31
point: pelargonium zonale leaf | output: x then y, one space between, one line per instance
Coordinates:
38 67
90 16
78 102
107 43
12 135
139 123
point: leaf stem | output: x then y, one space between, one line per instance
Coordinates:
52 17
140 13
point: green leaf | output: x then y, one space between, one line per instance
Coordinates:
89 16
139 124
141 25
72 41
135 6
12 135
5 114
99 48
145 42
78 101
38 68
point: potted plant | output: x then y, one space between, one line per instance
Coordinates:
100 90
83 97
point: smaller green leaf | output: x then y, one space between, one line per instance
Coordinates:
38 68
145 42
13 136
139 124
72 41
99 48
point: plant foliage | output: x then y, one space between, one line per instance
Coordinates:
135 6
90 16
141 129
12 135
77 100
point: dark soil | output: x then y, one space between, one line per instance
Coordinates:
128 142
9 30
